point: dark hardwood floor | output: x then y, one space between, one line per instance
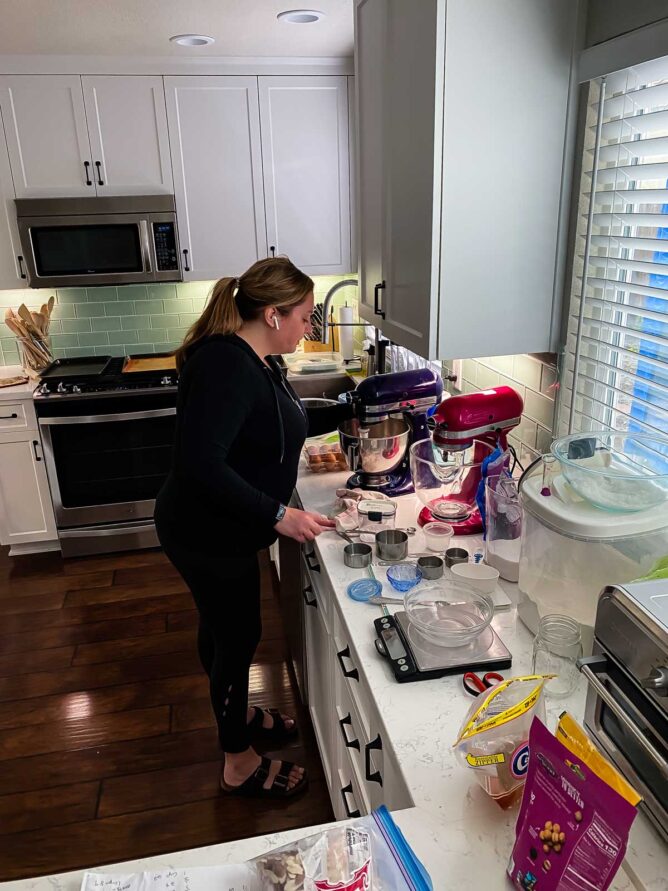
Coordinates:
108 749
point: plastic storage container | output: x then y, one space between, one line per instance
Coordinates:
375 516
571 550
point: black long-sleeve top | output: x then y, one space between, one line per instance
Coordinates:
240 429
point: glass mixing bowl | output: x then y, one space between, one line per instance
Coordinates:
447 483
449 613
615 471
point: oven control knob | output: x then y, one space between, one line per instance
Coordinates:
657 681
76 389
61 388
166 381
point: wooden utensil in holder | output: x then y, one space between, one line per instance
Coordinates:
32 337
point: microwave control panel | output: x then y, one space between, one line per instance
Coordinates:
164 237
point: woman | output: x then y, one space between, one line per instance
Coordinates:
240 429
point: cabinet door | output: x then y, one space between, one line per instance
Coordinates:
47 137
127 125
26 512
214 134
319 663
12 269
305 158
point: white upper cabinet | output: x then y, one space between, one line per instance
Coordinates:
462 118
45 126
214 133
12 267
127 126
305 156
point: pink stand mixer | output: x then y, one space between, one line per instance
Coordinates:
448 468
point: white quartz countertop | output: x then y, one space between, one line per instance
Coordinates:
18 391
461 836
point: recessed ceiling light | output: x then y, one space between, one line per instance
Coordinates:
300 16
192 39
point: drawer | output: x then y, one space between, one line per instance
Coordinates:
13 416
348 800
312 571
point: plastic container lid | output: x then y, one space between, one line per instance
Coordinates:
363 590
384 508
567 513
314 363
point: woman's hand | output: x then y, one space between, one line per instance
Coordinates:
303 525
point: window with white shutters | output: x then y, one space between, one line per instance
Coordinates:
615 372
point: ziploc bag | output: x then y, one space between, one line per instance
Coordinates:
572 828
493 740
369 854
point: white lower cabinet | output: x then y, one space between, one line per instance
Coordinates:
26 512
361 770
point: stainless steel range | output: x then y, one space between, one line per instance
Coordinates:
107 427
627 700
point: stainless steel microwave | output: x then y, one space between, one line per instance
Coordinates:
70 242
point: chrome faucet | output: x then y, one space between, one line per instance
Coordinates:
326 324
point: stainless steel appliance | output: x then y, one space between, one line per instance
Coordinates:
627 700
68 242
107 436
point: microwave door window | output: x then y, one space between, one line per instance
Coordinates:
81 250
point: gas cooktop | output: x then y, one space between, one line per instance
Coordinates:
100 375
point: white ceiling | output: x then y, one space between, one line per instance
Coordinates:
143 27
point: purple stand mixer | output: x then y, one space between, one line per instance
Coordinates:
390 414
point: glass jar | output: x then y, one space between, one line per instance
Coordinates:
556 650
375 516
503 519
34 354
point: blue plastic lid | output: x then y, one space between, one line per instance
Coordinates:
363 590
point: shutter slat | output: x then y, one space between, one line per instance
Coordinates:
662 367
639 173
651 123
628 287
634 148
632 242
629 265
627 332
626 218
630 102
627 308
662 412
631 196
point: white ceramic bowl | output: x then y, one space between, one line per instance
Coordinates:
437 536
481 576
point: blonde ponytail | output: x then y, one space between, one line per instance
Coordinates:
274 282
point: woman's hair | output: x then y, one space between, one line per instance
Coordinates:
274 282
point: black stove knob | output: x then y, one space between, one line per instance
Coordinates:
165 381
76 388
61 388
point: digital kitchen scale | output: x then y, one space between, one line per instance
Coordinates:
414 658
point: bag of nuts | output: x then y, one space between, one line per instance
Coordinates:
573 827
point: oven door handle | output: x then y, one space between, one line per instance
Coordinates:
104 419
600 662
102 532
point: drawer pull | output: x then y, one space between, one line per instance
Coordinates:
375 777
353 673
350 743
35 444
309 590
311 562
11 417
348 790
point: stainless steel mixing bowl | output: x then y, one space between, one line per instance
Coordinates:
376 449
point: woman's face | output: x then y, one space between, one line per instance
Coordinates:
293 326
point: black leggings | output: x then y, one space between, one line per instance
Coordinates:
226 591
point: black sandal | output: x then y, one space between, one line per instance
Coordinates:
277 734
253 787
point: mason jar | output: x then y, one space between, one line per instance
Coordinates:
556 650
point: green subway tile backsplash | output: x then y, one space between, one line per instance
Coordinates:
124 320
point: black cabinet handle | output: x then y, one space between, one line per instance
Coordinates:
186 267
98 165
376 298
8 417
348 790
353 673
21 270
311 562
350 743
89 181
375 777
309 590
273 250
35 443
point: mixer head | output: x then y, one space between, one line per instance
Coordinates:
487 415
381 395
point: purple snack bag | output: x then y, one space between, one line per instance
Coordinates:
572 829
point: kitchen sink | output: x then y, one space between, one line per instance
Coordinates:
327 386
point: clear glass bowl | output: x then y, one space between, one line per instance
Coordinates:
447 485
449 613
615 471
404 576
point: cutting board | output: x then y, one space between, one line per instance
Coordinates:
149 363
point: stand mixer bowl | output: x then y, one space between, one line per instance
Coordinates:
375 450
447 482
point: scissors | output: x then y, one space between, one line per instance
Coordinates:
474 685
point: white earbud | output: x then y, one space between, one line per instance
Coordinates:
276 325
